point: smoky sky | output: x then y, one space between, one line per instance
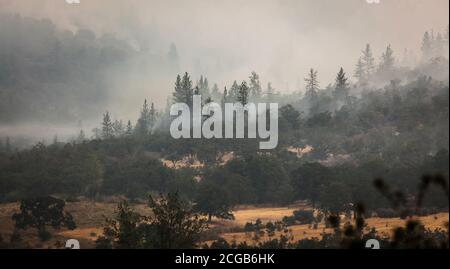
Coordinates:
226 40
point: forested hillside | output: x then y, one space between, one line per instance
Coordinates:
58 76
89 98
333 143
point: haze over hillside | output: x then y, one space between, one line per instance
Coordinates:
353 147
224 41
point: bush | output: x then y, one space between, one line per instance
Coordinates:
304 216
249 227
289 220
42 212
299 217
172 225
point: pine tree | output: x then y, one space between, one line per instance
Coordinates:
144 122
243 93
359 71
255 86
387 60
406 59
215 94
118 128
270 92
234 92
368 61
129 129
312 84
183 90
178 94
107 126
426 45
206 90
153 115
200 82
203 87
173 57
438 47
341 86
81 136
225 96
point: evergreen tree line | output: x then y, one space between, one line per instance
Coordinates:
354 132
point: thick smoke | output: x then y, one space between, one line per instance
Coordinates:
226 40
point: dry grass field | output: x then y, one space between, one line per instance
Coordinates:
90 217
265 214
384 226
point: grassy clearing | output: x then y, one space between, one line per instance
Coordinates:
384 226
90 217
